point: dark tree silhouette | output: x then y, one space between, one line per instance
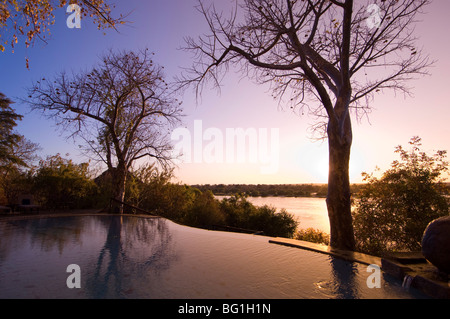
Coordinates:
8 138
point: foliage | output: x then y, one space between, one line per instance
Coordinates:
273 223
204 211
263 190
239 212
313 235
393 211
59 182
32 19
15 149
155 193
152 191
8 138
13 183
16 154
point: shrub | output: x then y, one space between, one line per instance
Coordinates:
13 183
273 223
151 190
204 211
313 235
59 181
393 211
236 210
239 212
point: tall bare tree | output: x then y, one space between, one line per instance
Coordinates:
328 57
122 109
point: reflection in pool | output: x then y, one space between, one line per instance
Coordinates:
135 257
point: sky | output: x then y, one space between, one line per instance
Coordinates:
286 153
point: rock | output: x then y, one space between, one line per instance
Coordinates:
436 243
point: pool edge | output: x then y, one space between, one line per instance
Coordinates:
80 213
324 249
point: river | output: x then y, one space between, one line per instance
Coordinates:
310 211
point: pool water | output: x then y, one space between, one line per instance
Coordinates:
135 257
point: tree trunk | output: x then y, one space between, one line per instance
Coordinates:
119 181
338 198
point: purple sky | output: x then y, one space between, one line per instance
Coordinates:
162 25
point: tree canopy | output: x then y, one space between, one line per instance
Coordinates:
31 19
16 153
9 139
59 183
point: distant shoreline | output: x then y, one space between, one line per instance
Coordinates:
310 190
267 190
281 196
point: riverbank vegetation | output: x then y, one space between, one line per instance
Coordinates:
392 211
268 190
265 190
58 183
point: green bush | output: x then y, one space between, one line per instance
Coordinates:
60 182
204 211
13 183
313 235
393 211
239 212
151 189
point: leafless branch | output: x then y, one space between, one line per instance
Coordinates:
121 109
312 52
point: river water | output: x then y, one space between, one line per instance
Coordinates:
310 211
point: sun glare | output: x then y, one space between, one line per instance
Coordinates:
356 168
322 170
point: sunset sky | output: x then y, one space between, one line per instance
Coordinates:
161 26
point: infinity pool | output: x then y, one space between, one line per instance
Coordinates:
135 257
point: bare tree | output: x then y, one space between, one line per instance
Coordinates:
326 57
122 110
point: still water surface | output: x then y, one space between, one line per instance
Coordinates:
310 211
134 257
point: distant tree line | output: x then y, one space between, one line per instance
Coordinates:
264 190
